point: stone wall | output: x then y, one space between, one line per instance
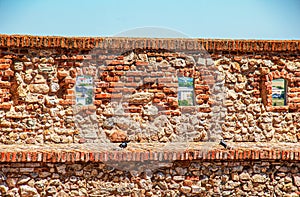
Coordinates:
196 178
135 90
250 114
249 169
51 146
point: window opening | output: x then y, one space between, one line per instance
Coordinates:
186 95
84 90
279 92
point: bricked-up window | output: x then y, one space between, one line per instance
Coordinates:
186 95
279 91
84 90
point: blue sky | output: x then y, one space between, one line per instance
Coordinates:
236 19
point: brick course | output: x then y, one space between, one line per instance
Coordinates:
196 151
211 45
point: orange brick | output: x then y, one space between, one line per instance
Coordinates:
141 63
97 102
156 100
294 89
9 73
116 96
8 156
201 87
70 80
112 79
69 97
4 66
5 61
102 84
114 62
90 156
116 84
295 100
5 106
70 91
126 68
119 67
203 96
62 73
110 68
103 96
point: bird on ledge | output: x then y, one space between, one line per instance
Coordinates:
124 144
223 143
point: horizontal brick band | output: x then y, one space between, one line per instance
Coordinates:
80 153
116 43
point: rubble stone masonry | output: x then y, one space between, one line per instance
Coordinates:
51 146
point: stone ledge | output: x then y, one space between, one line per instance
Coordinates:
116 43
148 152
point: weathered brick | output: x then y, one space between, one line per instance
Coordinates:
150 80
157 74
294 89
165 80
4 66
114 62
5 61
103 96
5 106
136 73
141 63
24 170
9 73
5 84
102 84
112 79
62 73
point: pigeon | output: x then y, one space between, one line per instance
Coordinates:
223 143
123 144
